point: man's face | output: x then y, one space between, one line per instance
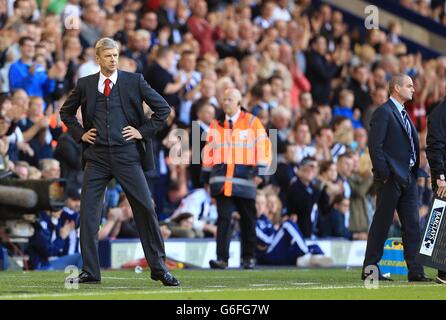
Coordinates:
207 114
108 60
52 173
406 90
74 204
302 134
150 21
306 101
130 22
345 166
379 97
189 62
321 46
208 89
343 206
308 172
28 49
362 75
231 103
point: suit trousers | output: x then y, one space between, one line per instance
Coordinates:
124 164
247 210
391 196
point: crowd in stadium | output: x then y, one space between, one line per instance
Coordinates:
300 68
435 9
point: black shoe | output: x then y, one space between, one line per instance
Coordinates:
249 264
218 264
166 278
85 277
381 278
419 278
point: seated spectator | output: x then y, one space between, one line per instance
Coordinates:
345 108
49 246
284 245
335 220
50 168
198 213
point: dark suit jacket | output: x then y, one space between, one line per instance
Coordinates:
133 90
436 141
389 144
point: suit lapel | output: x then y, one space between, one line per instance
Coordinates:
398 116
92 89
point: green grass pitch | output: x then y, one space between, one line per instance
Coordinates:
259 284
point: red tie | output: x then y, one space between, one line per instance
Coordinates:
107 87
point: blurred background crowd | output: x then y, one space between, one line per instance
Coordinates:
301 69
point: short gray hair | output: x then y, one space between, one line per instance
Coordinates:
397 79
105 43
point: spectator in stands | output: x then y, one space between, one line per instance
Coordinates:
360 88
36 132
321 71
202 30
336 219
305 200
47 247
379 97
32 77
345 108
302 140
284 245
130 22
360 181
196 216
158 75
68 153
343 136
50 168
206 113
90 25
168 20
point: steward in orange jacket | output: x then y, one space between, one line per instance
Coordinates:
237 150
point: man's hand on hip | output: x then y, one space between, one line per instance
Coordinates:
89 136
441 191
130 133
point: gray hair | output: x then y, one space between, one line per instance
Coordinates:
397 79
48 163
105 43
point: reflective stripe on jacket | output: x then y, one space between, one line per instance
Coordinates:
233 157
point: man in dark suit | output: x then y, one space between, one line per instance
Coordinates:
436 155
394 149
116 141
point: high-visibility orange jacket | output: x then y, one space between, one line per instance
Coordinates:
233 157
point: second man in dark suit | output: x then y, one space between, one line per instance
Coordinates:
394 149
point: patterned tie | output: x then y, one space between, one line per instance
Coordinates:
409 132
107 87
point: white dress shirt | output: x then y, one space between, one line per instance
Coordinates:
102 78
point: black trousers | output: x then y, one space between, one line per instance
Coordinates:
122 163
247 210
392 195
